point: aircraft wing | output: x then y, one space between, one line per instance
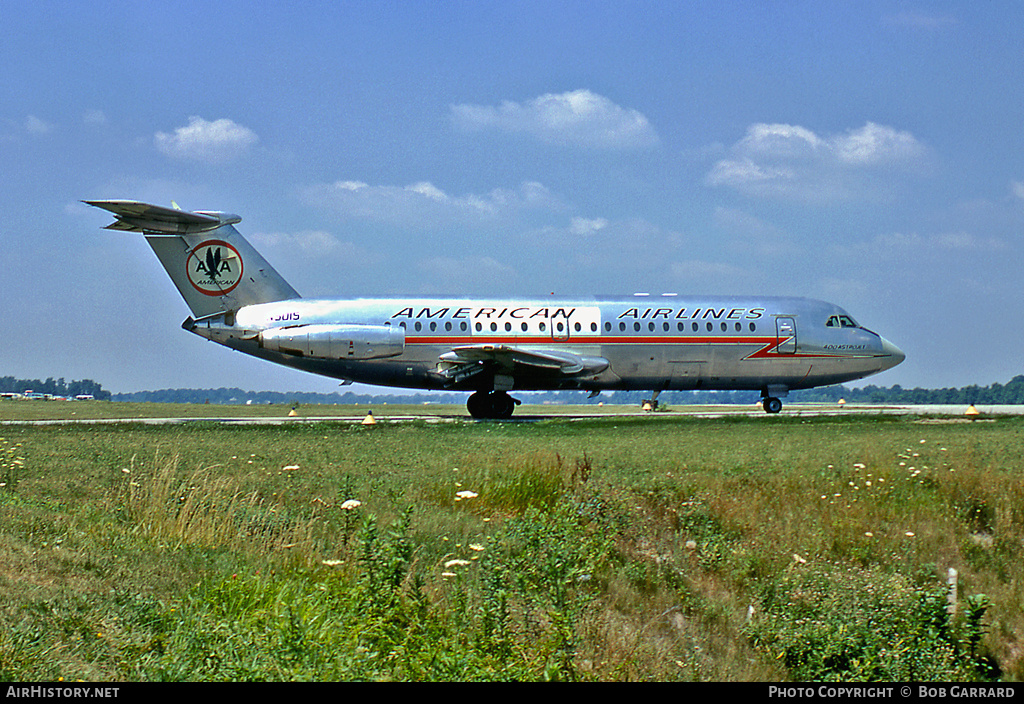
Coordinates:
466 361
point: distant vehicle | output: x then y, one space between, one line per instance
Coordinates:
492 347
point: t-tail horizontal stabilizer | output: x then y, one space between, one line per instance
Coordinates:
214 268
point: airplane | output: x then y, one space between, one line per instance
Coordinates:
491 347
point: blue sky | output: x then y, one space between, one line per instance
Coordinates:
865 153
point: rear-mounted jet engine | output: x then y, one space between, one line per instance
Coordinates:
335 341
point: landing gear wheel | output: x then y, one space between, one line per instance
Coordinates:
494 404
502 405
771 405
477 405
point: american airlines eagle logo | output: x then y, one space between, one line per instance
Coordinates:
214 267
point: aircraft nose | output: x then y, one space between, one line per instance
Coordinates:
894 354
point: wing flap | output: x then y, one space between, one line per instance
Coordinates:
507 358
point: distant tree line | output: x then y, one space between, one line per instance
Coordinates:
1011 393
54 387
996 394
231 396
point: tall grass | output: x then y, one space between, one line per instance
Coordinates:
603 550
201 507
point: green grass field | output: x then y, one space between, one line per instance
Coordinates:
656 547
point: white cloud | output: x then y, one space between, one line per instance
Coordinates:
94 117
1017 189
424 204
742 172
577 118
307 241
214 142
780 141
36 126
793 161
587 226
463 275
918 245
876 144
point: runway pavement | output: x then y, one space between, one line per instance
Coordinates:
539 413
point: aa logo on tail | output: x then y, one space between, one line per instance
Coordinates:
214 267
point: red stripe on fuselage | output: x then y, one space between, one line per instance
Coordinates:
767 350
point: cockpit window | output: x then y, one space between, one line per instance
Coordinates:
841 321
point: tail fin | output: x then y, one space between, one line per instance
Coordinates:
213 266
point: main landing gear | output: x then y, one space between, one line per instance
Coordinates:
494 405
771 404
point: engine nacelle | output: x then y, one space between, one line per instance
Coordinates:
335 341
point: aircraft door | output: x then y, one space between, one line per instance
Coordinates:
559 326
785 331
577 323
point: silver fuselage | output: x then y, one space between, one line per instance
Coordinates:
649 342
